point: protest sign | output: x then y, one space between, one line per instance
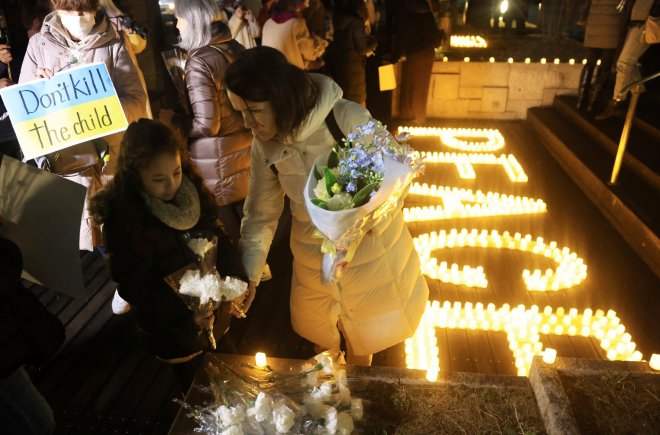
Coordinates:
40 212
73 106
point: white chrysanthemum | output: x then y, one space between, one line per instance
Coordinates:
205 288
263 407
316 408
322 393
345 424
321 191
356 408
283 417
233 288
341 201
200 246
233 430
325 360
340 378
231 416
331 420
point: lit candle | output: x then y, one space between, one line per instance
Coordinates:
654 362
432 374
549 355
260 359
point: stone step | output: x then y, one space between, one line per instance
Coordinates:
631 206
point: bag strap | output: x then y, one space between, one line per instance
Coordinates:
331 123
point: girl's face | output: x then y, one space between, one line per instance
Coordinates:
78 23
162 178
258 116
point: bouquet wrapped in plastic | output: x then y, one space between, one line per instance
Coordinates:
354 187
175 61
199 284
313 398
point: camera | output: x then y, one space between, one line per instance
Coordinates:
128 22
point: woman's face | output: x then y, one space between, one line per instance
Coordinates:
78 23
257 115
162 178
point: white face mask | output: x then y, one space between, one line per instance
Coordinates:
78 26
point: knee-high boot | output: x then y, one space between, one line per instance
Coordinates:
601 75
585 84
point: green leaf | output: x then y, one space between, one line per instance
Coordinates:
319 203
330 179
317 174
362 197
333 159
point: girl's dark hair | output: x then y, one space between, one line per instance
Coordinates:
143 141
263 74
75 5
284 6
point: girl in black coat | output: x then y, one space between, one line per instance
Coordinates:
154 199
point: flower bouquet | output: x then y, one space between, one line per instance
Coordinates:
353 187
313 398
199 284
175 61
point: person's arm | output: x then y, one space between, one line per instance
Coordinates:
304 40
127 83
203 96
362 42
30 61
254 26
263 207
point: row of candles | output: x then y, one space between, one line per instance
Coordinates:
464 162
527 60
523 327
570 270
464 203
482 140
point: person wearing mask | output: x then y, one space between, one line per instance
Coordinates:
76 33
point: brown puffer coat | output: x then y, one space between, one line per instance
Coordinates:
220 145
605 25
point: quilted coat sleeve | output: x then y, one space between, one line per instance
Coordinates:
129 88
263 207
304 40
203 94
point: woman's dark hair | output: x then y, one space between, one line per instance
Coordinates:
263 74
353 8
284 6
143 141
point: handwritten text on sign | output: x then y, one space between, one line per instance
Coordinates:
72 107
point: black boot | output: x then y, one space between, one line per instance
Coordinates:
611 110
598 82
585 83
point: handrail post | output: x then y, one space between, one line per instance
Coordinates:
627 125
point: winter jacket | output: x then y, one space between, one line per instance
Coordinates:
605 26
244 31
290 37
416 30
351 45
220 145
54 49
382 295
141 252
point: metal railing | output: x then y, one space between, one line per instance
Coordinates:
635 91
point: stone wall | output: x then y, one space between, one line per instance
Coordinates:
496 90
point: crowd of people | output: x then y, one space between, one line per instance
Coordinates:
256 117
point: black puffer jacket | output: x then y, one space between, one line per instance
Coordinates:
141 253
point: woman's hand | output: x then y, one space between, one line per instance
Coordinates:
5 53
204 319
43 73
5 82
249 296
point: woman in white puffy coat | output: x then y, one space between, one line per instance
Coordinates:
380 299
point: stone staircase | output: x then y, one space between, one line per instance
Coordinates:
586 148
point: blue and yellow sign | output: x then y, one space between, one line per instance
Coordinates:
74 106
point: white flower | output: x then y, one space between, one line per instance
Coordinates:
315 408
205 288
283 417
322 393
321 191
232 430
231 416
325 360
331 420
356 408
345 424
263 407
200 246
341 201
233 288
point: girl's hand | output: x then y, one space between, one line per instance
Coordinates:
5 53
43 73
5 82
204 319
